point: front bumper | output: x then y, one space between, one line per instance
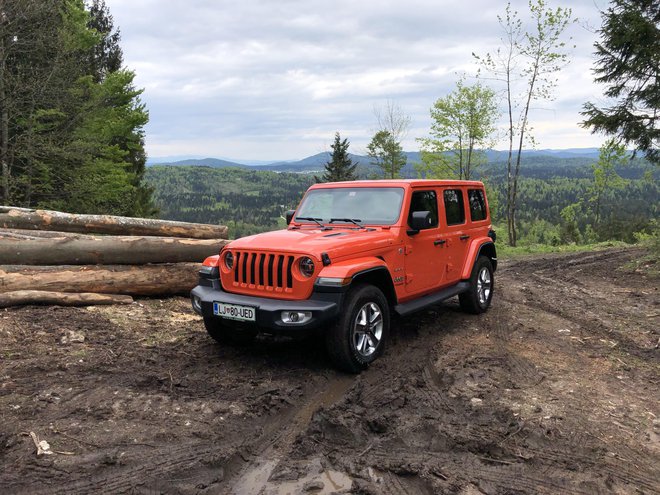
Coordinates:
324 307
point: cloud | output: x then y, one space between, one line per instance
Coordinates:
275 80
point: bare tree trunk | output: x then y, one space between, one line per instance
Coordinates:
136 280
509 179
79 249
25 218
523 127
4 110
23 297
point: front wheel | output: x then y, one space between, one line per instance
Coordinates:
358 337
482 282
224 332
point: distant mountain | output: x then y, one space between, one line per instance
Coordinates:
316 163
205 162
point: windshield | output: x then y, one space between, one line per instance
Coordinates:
368 205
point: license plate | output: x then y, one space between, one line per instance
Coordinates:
234 311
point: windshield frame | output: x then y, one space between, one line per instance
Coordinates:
357 215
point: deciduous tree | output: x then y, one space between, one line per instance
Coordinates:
526 64
606 179
462 125
387 153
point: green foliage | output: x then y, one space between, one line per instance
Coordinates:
71 126
463 123
628 57
606 179
340 167
386 152
570 232
504 251
106 56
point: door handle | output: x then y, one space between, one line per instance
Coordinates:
464 237
439 242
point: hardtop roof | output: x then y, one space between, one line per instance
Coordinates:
406 183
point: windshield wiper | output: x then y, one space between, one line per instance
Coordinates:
355 221
312 219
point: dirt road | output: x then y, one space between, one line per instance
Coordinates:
555 390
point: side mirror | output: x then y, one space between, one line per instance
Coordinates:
289 216
420 220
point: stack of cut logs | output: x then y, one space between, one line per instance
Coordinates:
49 257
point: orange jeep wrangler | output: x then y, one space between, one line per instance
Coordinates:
353 252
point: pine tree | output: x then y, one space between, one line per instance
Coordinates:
71 121
628 62
340 167
106 56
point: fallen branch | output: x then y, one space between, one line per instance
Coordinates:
41 445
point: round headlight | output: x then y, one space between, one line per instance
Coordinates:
229 260
306 266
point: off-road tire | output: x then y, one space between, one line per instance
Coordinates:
482 284
228 333
350 348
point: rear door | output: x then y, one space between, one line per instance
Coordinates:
456 232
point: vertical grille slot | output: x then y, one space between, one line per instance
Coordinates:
244 274
262 258
289 275
271 262
253 259
237 265
280 264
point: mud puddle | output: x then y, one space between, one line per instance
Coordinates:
261 477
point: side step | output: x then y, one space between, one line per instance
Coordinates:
434 298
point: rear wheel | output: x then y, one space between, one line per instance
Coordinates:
358 337
482 282
228 333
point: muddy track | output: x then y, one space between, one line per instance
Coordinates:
552 391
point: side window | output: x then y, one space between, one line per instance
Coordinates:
425 201
454 206
477 205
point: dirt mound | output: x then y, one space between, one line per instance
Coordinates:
552 391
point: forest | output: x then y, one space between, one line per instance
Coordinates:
251 201
71 119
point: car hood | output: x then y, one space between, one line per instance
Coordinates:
337 243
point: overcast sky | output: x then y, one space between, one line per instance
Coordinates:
274 80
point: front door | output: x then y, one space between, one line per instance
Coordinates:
425 261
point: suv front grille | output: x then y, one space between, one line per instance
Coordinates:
263 270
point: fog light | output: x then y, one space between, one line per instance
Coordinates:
197 304
296 317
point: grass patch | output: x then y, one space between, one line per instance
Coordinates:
504 251
648 264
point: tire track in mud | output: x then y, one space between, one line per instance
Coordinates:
195 464
583 439
268 451
544 456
